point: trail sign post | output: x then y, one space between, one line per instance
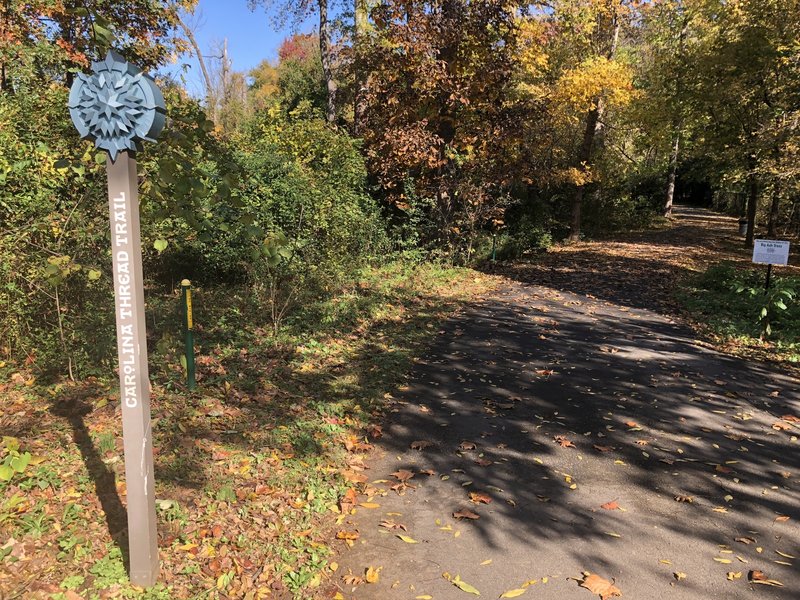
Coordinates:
770 252
188 332
117 106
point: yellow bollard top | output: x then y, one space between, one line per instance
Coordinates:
186 283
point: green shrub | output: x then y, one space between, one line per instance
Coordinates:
732 302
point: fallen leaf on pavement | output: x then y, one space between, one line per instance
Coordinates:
479 498
680 576
390 524
348 501
407 539
602 587
466 446
610 505
745 540
351 579
782 518
465 513
462 585
761 577
602 448
372 575
563 442
354 477
403 475
421 445
512 593
688 499
731 575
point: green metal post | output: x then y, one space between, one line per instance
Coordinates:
188 329
494 247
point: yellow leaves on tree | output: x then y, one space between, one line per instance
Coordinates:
578 88
532 58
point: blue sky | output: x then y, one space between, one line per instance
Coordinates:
252 36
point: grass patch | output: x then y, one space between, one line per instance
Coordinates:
729 303
250 467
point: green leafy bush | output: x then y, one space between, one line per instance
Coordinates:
734 305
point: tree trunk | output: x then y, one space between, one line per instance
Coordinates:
446 127
774 211
584 158
593 117
210 104
677 123
752 205
360 107
673 168
327 62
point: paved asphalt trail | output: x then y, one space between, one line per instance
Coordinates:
672 418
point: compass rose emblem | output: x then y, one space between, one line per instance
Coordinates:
116 106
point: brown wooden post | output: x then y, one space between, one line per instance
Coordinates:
134 380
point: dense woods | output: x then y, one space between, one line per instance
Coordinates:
397 129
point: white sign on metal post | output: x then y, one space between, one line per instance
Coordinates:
771 252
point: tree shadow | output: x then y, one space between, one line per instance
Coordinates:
73 404
652 414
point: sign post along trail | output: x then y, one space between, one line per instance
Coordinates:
770 252
117 106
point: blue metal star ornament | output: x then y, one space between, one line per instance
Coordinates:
116 106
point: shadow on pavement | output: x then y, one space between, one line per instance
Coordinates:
570 350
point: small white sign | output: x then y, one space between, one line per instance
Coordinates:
771 252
